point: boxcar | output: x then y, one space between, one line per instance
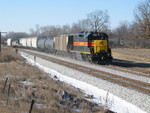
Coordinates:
23 42
34 42
29 42
9 42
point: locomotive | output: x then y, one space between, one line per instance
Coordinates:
90 46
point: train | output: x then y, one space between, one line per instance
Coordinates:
88 46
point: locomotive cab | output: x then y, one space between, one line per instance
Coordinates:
100 51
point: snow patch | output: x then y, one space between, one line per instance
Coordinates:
119 105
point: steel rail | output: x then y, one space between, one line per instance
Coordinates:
99 73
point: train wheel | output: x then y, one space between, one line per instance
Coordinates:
74 56
84 57
89 59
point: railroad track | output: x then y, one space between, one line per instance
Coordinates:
124 81
137 71
132 71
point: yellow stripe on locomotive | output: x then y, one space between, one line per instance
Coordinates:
100 45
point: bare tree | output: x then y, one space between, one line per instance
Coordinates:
81 25
65 29
84 25
142 16
35 32
16 35
75 28
50 31
121 34
98 20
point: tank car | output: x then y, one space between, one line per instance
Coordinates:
41 43
49 45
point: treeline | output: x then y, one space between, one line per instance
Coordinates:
135 34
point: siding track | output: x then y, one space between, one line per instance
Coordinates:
124 81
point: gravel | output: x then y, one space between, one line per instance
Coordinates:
139 99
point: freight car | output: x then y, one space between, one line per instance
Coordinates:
8 42
91 46
12 42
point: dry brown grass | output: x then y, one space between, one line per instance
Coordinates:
139 56
45 91
8 54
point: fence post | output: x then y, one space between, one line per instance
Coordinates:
5 84
32 102
8 94
35 59
16 51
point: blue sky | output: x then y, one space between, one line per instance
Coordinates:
21 15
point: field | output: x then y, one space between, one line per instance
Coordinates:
26 84
138 58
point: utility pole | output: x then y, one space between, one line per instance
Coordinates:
0 40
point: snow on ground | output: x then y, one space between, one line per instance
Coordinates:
100 96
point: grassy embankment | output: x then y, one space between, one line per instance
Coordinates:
46 92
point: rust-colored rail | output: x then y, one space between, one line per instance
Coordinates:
135 84
132 71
